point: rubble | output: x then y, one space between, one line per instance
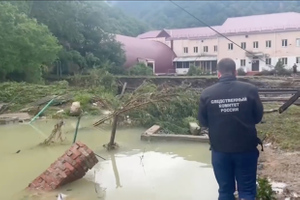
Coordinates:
69 167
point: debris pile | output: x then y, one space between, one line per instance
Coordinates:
70 167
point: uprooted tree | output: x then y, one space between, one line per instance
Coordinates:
143 96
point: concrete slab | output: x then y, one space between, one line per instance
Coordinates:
151 135
21 116
8 120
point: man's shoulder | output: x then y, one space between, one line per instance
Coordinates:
210 89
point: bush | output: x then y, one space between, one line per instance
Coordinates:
266 73
280 69
264 191
140 70
173 116
241 72
194 71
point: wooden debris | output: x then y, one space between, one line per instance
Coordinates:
56 133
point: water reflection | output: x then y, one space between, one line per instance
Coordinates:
138 170
115 169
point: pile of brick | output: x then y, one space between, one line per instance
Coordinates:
70 167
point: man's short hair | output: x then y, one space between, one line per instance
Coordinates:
226 66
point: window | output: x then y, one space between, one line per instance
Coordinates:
205 49
268 44
195 49
230 46
215 48
297 60
243 62
255 45
243 45
268 61
298 42
284 42
180 65
185 50
185 65
284 61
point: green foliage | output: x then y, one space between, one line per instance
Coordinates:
97 78
241 72
140 69
172 116
280 69
25 45
264 191
84 30
166 15
194 71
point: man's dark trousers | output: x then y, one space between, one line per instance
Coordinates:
241 167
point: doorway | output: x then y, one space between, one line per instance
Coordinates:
255 65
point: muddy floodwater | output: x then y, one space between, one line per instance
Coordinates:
137 170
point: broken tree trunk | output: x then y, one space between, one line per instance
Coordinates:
56 133
140 98
112 144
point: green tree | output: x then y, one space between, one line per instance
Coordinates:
194 71
140 69
167 15
84 30
25 45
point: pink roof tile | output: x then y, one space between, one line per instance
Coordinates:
149 34
136 48
193 32
237 25
268 22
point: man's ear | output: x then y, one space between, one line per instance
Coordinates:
235 73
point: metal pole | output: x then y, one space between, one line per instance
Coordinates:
76 131
46 106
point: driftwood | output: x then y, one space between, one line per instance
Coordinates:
56 133
136 100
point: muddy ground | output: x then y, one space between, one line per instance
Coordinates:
203 82
283 167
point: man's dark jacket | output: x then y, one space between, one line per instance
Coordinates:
231 109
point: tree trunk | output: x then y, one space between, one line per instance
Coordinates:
113 132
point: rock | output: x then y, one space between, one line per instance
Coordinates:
194 128
75 109
278 187
60 111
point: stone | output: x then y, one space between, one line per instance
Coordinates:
194 128
21 116
75 109
154 129
71 166
8 120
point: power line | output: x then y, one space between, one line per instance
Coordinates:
215 30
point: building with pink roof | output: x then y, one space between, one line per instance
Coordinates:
154 54
263 40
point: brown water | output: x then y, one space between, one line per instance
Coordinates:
137 170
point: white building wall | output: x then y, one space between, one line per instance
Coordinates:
277 51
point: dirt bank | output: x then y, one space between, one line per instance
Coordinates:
203 82
283 167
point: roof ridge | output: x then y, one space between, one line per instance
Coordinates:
267 14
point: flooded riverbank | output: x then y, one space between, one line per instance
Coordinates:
137 170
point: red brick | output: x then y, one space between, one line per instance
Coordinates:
69 167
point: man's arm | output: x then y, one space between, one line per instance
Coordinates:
258 109
202 114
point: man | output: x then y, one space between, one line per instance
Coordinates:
295 70
231 109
